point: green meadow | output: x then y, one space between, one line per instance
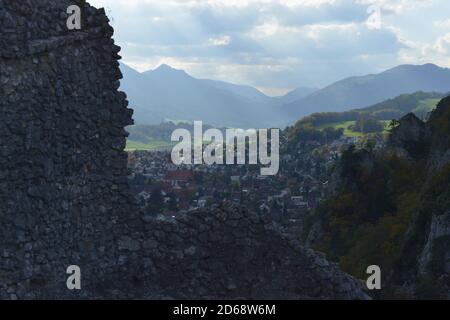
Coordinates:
151 146
346 126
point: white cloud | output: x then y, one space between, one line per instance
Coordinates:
279 44
437 52
442 45
157 19
445 24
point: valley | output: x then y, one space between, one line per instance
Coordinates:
157 136
167 93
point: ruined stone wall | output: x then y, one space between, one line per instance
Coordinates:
64 198
63 170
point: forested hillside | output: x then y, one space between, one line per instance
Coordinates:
391 208
373 119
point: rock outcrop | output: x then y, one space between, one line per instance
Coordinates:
64 198
425 261
411 135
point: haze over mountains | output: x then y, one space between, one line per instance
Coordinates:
359 92
169 94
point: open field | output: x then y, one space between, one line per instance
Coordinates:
426 106
346 126
152 146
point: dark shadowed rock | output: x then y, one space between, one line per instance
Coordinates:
411 135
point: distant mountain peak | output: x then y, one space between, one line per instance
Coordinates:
165 70
361 91
168 93
164 67
431 65
426 66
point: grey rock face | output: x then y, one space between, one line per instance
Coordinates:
440 228
64 198
412 135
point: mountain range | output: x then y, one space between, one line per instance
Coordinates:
170 94
360 92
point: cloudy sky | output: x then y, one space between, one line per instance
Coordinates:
278 45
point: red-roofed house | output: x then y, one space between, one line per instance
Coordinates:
179 177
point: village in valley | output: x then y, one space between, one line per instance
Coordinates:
164 189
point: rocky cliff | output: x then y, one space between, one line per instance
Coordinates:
424 264
411 135
390 207
64 198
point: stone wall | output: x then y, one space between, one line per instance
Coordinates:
64 198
